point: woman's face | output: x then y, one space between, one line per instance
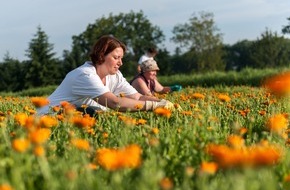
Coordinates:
150 75
113 60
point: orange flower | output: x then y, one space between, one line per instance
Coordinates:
255 155
20 118
208 167
224 98
48 121
166 184
155 130
81 144
39 101
5 187
138 106
277 123
127 120
113 159
163 112
141 121
197 96
20 145
39 136
39 151
83 122
279 84
236 141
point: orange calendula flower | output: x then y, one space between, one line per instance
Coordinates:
21 118
39 136
39 101
20 145
236 141
163 112
198 96
155 130
166 184
48 121
113 159
138 106
83 122
81 144
39 151
277 123
279 84
141 121
208 167
127 120
5 187
255 155
224 98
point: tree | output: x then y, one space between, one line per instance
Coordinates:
270 51
134 29
42 68
286 29
11 75
201 38
237 55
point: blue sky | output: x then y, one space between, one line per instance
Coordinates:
61 19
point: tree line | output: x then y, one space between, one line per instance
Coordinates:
200 48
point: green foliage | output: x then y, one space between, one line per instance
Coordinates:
201 37
42 68
11 75
270 51
134 29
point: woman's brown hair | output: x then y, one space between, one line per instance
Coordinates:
105 45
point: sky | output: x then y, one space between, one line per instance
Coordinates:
61 19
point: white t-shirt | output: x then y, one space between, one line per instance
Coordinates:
82 85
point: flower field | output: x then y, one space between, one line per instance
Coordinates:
217 138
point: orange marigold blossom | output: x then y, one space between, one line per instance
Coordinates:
92 166
141 121
48 121
127 120
236 141
39 136
81 144
163 112
139 106
20 118
39 101
208 167
155 130
198 96
287 178
166 183
256 155
5 186
83 122
277 123
20 145
224 98
278 84
39 151
113 159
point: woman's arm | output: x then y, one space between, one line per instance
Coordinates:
161 89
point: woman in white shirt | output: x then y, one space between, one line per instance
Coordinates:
99 85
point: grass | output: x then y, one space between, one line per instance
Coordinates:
173 149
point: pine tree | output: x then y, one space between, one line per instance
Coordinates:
42 68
